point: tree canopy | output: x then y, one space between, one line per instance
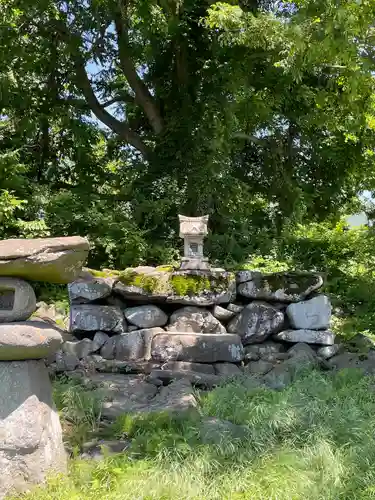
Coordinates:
118 114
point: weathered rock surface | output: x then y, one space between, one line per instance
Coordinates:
196 378
65 362
222 314
282 287
200 348
313 314
80 348
227 370
265 349
189 366
133 394
100 338
194 320
31 445
192 287
147 316
85 291
309 336
17 300
301 356
260 367
328 351
93 318
130 346
257 322
236 308
28 340
345 360
54 260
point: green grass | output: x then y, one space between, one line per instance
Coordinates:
314 440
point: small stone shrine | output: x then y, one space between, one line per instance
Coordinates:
193 230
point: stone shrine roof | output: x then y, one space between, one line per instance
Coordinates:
193 226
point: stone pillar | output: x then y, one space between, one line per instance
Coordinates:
31 445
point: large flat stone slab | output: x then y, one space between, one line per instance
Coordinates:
191 288
17 300
54 260
199 348
84 291
283 287
31 446
324 337
28 340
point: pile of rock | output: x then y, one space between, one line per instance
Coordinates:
244 324
31 443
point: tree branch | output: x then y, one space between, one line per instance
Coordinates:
83 82
142 95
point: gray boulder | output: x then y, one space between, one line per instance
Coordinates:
135 346
100 338
280 287
17 300
194 320
325 337
313 314
28 340
31 446
65 362
227 369
85 291
328 351
195 378
222 314
93 318
199 348
236 308
53 260
79 348
260 367
257 322
147 316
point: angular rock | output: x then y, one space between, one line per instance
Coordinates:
194 320
100 338
227 370
93 318
328 351
313 314
246 275
28 340
53 260
31 446
17 300
108 349
325 337
65 362
265 349
280 287
200 348
97 363
301 356
235 308
257 322
188 366
135 346
80 348
147 316
222 314
259 367
196 378
85 291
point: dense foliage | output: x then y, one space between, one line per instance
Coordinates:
117 115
